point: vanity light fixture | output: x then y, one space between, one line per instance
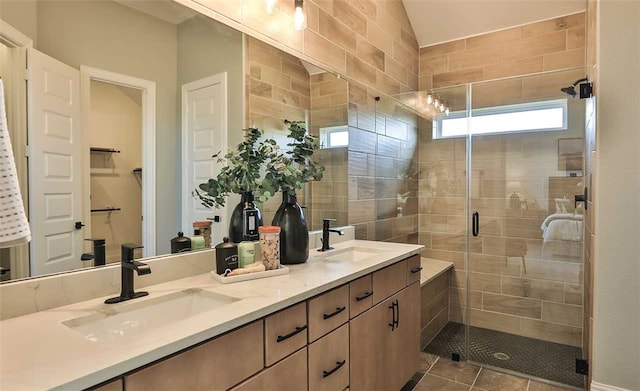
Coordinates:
429 99
271 6
298 15
439 104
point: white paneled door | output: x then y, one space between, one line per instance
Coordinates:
204 130
55 165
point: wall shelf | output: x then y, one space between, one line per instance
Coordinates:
105 210
103 150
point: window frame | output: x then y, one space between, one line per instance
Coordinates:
497 110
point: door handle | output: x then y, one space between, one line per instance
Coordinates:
397 320
78 225
393 316
475 223
581 198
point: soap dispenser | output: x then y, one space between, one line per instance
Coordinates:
226 256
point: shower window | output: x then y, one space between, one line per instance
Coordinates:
527 117
334 137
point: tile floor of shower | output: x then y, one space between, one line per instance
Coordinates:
539 359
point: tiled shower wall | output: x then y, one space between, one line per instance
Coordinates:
548 45
328 199
518 283
278 88
383 177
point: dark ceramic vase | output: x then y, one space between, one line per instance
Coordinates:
294 233
236 234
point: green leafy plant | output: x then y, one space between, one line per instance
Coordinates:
241 171
291 170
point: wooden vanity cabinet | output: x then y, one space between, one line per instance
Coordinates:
360 295
389 280
285 332
329 361
289 374
215 365
384 342
328 311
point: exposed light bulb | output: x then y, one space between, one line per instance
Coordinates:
429 99
298 15
441 108
271 6
446 111
436 103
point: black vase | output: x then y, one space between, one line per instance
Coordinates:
294 233
236 225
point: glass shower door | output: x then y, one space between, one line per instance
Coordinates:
524 260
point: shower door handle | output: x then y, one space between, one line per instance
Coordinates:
475 223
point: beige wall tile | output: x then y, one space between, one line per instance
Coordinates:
512 305
396 70
493 39
348 15
443 48
324 51
495 321
546 26
535 289
313 16
435 64
495 265
484 282
474 58
361 70
563 60
513 68
546 331
367 7
576 38
562 313
573 294
554 271
362 211
458 77
379 37
336 32
369 53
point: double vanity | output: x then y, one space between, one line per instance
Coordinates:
349 317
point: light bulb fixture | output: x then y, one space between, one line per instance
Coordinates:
436 103
429 99
298 15
446 111
441 108
271 6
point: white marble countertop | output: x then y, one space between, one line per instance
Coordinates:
38 352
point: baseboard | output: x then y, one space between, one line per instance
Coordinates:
595 386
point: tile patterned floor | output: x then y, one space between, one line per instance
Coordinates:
532 357
439 374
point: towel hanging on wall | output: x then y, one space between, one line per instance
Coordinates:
14 227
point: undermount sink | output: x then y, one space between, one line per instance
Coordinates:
350 254
137 317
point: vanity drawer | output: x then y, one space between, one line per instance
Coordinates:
329 361
413 269
389 280
289 374
285 332
360 295
239 352
328 311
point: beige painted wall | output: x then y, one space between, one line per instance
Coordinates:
616 285
116 122
116 38
22 15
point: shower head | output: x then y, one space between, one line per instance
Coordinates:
571 90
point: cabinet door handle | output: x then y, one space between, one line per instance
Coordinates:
291 334
393 316
397 313
364 295
339 365
334 313
416 269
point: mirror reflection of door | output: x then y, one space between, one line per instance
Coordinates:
115 139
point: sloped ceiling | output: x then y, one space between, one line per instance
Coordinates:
436 21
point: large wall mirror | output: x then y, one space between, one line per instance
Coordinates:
153 89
